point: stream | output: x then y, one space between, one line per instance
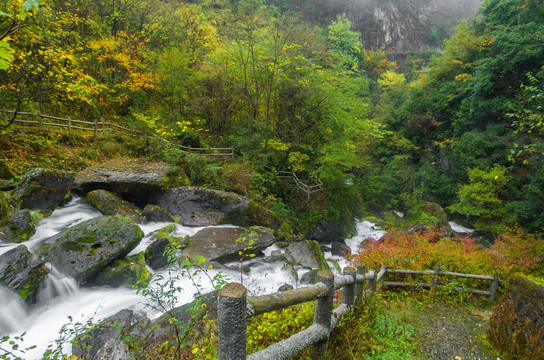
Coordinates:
61 302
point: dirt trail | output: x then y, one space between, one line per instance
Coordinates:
449 332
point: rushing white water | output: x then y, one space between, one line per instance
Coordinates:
60 299
460 229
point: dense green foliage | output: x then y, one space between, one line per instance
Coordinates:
464 132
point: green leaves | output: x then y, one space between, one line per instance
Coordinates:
6 56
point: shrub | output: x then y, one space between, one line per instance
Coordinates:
517 324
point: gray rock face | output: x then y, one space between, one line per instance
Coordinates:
43 188
154 254
307 254
203 207
325 232
136 180
157 213
105 341
21 271
111 204
7 185
220 244
84 249
19 227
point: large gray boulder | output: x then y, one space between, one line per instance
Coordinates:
83 250
21 271
223 244
307 254
204 207
111 204
136 180
43 188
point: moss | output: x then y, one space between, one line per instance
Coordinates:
5 210
131 272
316 250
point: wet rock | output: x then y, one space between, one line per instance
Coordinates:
340 249
157 213
326 232
5 171
130 272
136 180
111 204
155 255
7 185
81 251
43 188
21 271
309 278
286 287
107 340
204 207
438 212
306 253
19 227
223 244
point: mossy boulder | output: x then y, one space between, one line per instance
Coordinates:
111 204
204 207
136 180
307 254
5 209
21 271
5 171
81 251
155 255
157 213
20 226
130 272
517 324
7 185
43 188
224 244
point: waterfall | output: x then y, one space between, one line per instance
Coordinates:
56 284
13 317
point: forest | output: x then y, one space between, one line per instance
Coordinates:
462 130
408 134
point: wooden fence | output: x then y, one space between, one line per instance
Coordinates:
312 186
235 307
217 153
97 126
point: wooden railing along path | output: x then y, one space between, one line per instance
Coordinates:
235 307
312 186
97 126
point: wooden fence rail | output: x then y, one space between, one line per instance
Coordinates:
306 188
235 307
101 126
95 126
492 292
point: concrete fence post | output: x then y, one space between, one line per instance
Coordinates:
231 322
348 294
39 119
69 125
323 311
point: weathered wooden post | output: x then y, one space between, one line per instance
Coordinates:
348 294
493 288
435 276
231 322
360 287
95 129
372 284
323 311
39 119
